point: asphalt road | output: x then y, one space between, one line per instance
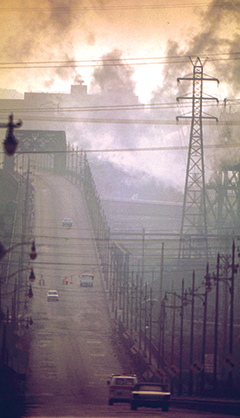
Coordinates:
72 354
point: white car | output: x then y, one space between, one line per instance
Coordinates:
87 280
120 388
52 295
67 222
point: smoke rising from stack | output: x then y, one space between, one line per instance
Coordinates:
58 25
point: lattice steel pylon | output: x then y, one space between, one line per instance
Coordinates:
193 233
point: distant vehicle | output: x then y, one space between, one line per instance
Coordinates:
120 387
87 280
52 295
153 395
67 222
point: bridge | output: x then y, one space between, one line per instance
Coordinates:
76 335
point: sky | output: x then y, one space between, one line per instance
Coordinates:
60 30
150 41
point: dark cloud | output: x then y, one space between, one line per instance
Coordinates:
63 13
219 37
168 91
18 48
215 37
116 86
69 71
115 80
214 40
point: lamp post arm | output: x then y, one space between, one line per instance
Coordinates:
17 245
4 251
17 271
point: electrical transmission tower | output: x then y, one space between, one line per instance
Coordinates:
193 234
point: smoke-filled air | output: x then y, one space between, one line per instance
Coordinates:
129 55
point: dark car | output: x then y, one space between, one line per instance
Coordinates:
152 395
67 222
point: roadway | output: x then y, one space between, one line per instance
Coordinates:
72 354
72 350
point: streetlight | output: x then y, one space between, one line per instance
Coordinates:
148 322
10 143
32 255
203 297
208 288
184 302
31 279
28 321
217 278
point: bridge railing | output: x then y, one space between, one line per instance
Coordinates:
114 257
78 171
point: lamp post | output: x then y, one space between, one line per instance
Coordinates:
203 297
184 302
234 270
10 143
148 323
31 279
217 279
215 363
32 255
207 289
190 387
161 342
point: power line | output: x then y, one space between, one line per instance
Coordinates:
138 106
169 148
126 121
104 8
116 61
141 106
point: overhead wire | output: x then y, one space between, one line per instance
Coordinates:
175 59
114 150
104 108
103 7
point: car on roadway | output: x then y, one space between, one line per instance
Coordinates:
52 295
67 222
87 280
120 387
152 395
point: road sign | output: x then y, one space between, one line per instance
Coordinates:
147 375
126 334
196 366
134 349
135 335
173 370
229 362
115 322
160 373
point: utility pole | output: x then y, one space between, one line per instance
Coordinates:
193 234
190 387
215 361
161 276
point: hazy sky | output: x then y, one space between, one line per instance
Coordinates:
151 39
59 30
